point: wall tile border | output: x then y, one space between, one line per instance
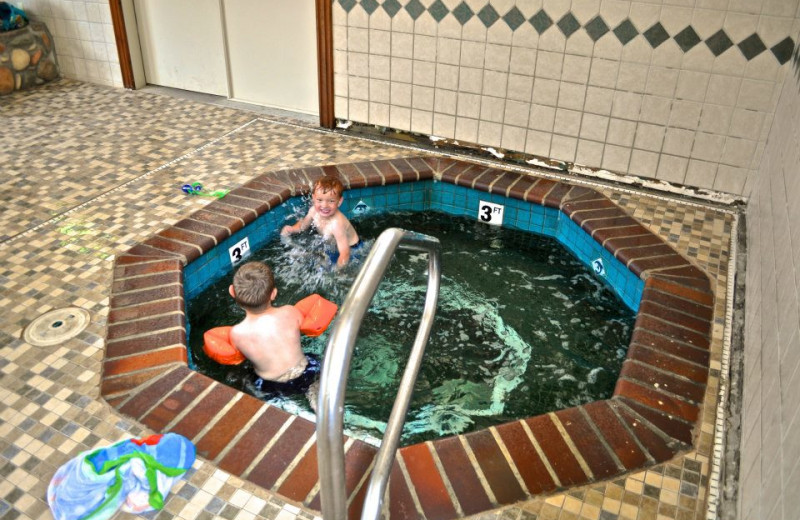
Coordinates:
568 24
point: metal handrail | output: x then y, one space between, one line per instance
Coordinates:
335 369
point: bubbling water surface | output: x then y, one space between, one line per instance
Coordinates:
522 327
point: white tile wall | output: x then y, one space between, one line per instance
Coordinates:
84 37
770 445
689 118
684 117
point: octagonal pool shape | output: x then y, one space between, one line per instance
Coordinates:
653 416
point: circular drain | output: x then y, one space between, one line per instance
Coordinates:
56 326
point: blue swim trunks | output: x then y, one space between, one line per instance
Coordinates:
296 386
355 251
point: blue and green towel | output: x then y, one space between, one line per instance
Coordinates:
134 475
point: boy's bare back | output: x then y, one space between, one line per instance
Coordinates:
271 341
268 336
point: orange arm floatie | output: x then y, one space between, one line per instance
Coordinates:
217 345
317 315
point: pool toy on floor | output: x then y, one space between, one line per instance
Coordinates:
196 188
135 475
317 315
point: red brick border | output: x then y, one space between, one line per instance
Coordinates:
653 415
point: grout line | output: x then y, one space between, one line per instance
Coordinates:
718 446
236 438
287 472
478 471
531 170
447 484
245 475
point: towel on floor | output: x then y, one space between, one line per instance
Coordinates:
135 475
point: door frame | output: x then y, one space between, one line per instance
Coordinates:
324 23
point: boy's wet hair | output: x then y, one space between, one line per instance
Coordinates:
329 183
253 284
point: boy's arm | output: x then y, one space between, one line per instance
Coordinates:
343 245
300 225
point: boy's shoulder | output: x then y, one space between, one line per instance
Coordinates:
287 310
341 217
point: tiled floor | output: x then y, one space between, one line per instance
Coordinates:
89 171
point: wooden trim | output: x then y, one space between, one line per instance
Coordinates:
325 63
121 36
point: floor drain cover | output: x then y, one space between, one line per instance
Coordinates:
57 326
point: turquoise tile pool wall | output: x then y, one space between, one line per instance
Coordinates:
422 196
524 216
625 284
210 267
411 196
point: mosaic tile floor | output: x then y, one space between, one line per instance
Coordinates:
89 171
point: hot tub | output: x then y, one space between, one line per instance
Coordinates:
652 416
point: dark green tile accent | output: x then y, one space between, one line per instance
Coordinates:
540 21
514 18
488 15
438 10
463 13
568 24
752 46
596 28
656 35
369 6
687 38
415 9
626 31
783 50
719 42
392 7
347 5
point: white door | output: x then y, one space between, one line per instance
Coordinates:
182 44
272 53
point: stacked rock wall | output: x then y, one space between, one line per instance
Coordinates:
27 58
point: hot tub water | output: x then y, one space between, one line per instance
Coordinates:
522 327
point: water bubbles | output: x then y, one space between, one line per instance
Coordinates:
592 377
516 333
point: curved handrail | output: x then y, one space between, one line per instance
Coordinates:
335 369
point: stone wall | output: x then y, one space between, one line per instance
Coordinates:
27 58
84 35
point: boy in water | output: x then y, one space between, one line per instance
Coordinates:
270 336
324 214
